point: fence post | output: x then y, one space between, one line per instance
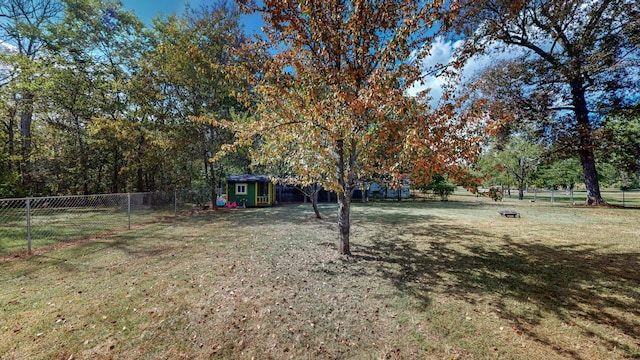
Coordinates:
571 192
552 196
129 209
622 197
175 202
28 208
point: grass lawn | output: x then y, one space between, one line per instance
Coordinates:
450 280
54 226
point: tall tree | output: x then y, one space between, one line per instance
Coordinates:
23 25
583 53
189 67
516 161
9 164
623 132
96 47
338 84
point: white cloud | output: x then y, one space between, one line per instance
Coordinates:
443 52
6 69
6 48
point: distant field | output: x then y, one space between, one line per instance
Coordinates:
630 198
427 280
52 226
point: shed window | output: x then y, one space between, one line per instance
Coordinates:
263 189
241 189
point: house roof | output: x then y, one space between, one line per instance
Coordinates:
248 178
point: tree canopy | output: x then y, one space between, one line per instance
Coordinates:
577 59
338 87
92 101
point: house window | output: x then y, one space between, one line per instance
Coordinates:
241 189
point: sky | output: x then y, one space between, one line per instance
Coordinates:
442 51
148 9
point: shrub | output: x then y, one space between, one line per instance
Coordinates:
440 185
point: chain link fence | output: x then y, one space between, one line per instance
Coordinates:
29 223
624 198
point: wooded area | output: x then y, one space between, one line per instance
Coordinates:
94 101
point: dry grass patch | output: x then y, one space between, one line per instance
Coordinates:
427 280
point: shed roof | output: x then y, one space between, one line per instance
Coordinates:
248 178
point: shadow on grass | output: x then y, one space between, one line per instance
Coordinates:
575 284
13 239
294 213
419 253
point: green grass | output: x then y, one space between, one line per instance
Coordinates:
629 198
450 280
54 226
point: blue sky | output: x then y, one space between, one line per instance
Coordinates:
146 10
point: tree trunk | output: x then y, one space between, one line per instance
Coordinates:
585 144
139 178
344 222
85 170
520 189
521 180
347 186
314 201
84 156
115 174
26 117
10 126
214 191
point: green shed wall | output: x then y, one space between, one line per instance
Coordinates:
250 196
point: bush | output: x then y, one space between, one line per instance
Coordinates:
11 185
440 185
633 185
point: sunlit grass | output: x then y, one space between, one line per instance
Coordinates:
54 226
615 197
431 280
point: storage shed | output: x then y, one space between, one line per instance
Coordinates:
251 190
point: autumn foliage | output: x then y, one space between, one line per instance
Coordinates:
333 102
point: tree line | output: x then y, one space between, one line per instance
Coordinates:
92 100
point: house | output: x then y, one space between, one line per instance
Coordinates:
251 190
378 191
384 192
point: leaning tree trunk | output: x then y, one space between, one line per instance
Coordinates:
314 199
585 144
591 177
